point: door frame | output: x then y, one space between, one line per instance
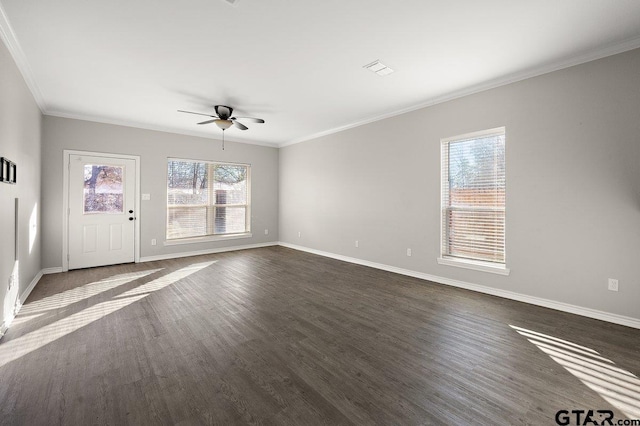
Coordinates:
67 153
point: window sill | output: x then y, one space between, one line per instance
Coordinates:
208 238
475 265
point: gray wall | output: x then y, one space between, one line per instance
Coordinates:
573 185
154 148
20 129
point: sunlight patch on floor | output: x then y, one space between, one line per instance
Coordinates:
20 346
165 280
619 387
66 298
22 319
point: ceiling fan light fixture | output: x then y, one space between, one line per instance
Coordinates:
223 124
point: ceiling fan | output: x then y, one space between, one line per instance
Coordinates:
224 120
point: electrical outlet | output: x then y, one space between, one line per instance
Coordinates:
357 243
613 284
153 241
409 252
299 234
266 232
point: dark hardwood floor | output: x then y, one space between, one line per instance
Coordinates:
277 336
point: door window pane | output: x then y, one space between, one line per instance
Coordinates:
103 190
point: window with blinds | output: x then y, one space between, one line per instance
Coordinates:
473 197
207 199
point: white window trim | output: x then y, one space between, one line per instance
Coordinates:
218 237
474 135
476 265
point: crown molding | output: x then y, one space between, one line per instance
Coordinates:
153 127
10 40
609 50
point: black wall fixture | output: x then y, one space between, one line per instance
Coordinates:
8 171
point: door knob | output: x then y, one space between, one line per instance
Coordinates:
130 218
130 211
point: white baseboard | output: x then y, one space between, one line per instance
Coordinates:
208 251
21 299
27 291
552 304
55 270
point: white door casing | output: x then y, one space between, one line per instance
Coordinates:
101 200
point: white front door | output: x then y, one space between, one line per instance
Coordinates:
101 211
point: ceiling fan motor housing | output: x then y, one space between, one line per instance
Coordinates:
223 111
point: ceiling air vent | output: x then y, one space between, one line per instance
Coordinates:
378 67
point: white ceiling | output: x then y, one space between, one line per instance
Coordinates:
295 63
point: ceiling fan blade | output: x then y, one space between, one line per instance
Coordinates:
198 113
250 119
239 125
223 111
208 121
